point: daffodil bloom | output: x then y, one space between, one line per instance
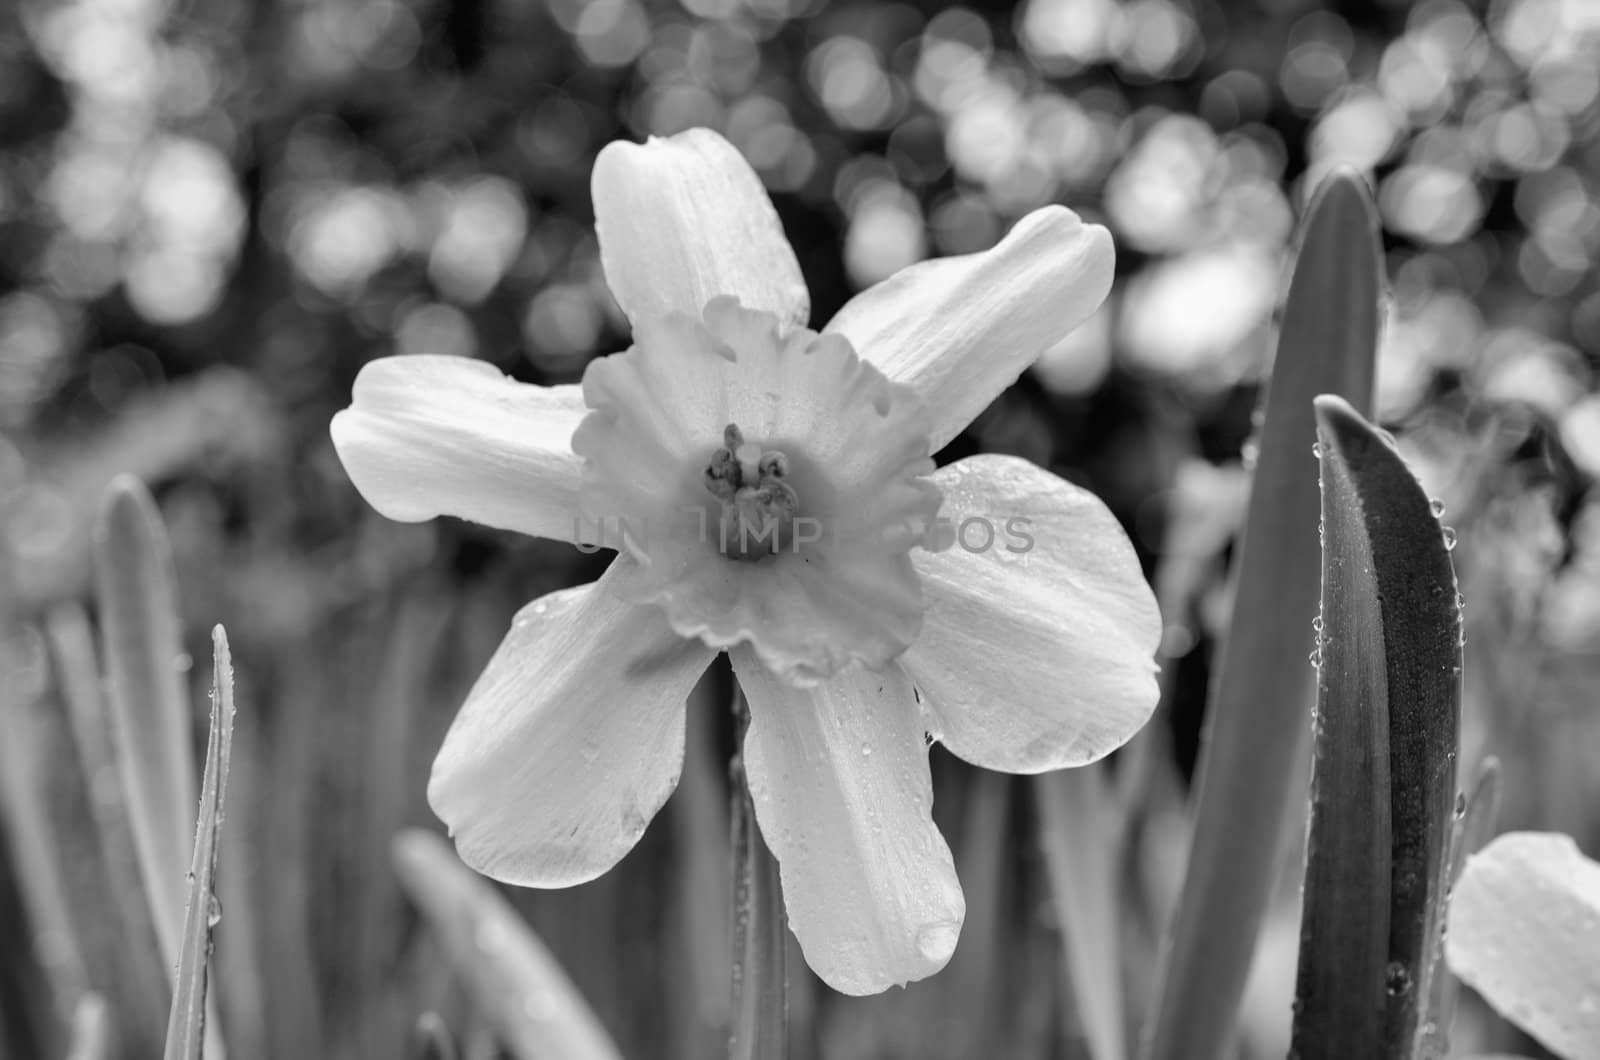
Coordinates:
771 493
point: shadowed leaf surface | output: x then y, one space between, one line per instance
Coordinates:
1080 829
1256 736
1383 790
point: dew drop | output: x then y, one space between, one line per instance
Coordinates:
1461 804
1449 538
866 749
1396 980
1316 450
1436 506
213 912
1250 454
1316 623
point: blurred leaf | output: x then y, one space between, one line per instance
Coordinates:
220 414
1525 933
974 975
1254 747
418 621
137 596
534 1008
699 814
1474 825
91 1030
143 989
188 1034
1080 829
1384 783
431 1039
759 985
26 758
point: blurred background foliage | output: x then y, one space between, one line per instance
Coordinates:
213 213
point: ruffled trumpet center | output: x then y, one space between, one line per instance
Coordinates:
793 533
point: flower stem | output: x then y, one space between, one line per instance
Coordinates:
760 987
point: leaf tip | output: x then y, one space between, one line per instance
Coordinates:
1337 420
126 505
1344 197
411 849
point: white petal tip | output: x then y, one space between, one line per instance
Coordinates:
937 942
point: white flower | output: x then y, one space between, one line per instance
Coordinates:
1025 646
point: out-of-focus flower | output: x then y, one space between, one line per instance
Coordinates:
1524 931
770 491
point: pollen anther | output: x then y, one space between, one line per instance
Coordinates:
758 506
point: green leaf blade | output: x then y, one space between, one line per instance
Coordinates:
1258 732
760 989
1384 789
189 1035
1080 833
534 1008
136 592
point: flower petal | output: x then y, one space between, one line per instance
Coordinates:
571 739
961 330
426 436
683 219
839 776
1038 642
1525 933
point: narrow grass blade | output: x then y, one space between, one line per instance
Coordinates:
137 597
189 1035
1257 728
91 1030
1384 788
27 750
1080 830
759 988
699 815
976 972
534 1008
143 992
420 620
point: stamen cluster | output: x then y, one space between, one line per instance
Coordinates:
757 501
